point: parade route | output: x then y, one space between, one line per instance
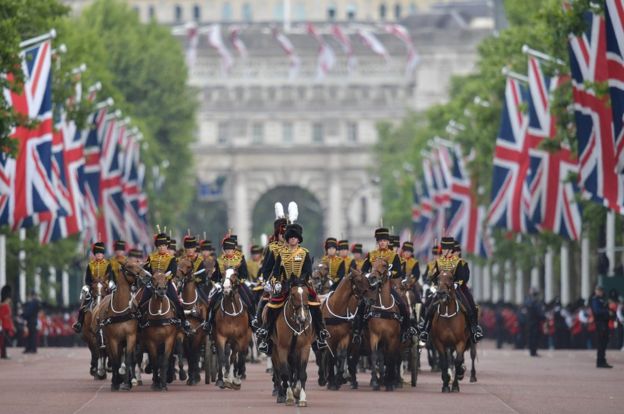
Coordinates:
55 381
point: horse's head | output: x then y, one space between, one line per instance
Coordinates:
185 270
230 281
319 276
209 264
359 283
445 283
298 300
131 271
159 282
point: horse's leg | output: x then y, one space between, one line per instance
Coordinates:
165 364
443 361
375 358
303 377
473 356
221 359
352 365
115 359
459 366
152 354
179 351
341 358
129 360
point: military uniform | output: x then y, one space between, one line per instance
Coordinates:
357 263
335 264
343 251
254 266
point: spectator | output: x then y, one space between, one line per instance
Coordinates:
31 316
535 317
600 309
7 329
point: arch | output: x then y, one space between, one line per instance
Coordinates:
310 214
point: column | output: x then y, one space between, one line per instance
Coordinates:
549 283
242 212
496 283
520 290
65 287
535 278
22 266
476 279
334 222
3 279
487 283
610 247
52 298
585 276
507 278
565 274
38 281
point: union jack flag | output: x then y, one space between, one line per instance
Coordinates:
594 121
615 62
509 206
415 208
553 206
423 233
26 187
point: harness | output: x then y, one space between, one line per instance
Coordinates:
306 324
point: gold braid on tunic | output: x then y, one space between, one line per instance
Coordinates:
332 263
292 261
231 262
160 263
98 270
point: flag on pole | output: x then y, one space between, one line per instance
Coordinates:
373 43
215 40
238 43
191 41
345 43
403 35
553 206
326 56
598 175
614 14
289 49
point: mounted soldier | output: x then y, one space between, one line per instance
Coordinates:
335 264
162 261
384 252
411 267
358 257
343 252
119 259
199 270
450 258
293 264
254 265
98 270
206 249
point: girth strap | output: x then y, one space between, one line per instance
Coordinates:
118 319
381 314
159 322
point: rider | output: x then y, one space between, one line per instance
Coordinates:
135 257
292 263
172 248
231 259
119 259
411 267
190 250
384 252
343 252
335 264
205 247
358 260
98 270
254 265
162 261
449 258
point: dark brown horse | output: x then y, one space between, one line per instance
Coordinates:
410 350
449 330
232 332
90 330
339 310
159 331
117 317
292 339
383 328
320 279
196 313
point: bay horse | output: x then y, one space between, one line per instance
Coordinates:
118 321
196 312
338 310
410 350
384 328
292 339
159 331
232 333
90 331
449 330
320 279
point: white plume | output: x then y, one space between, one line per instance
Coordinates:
293 211
279 210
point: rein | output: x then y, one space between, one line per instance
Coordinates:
160 312
306 325
349 315
234 313
446 314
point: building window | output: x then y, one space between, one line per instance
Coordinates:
178 13
382 11
351 12
287 132
412 8
151 12
257 133
317 133
223 136
397 11
300 11
226 11
352 132
363 210
331 12
196 13
247 14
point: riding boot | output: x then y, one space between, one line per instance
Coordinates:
426 326
319 326
256 322
77 326
475 329
263 334
358 323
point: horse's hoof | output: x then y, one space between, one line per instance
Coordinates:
114 387
244 376
302 403
183 375
473 379
446 389
455 388
274 393
322 382
399 384
148 369
125 387
354 385
101 376
164 388
220 383
140 382
375 386
281 399
134 382
93 372
389 388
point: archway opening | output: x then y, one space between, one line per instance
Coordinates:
310 215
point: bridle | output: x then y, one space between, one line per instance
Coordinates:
304 320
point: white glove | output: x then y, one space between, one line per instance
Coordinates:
277 288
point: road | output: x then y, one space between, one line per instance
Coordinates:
56 381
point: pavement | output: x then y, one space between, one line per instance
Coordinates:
56 380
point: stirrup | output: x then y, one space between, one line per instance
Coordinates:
77 327
324 334
263 347
424 336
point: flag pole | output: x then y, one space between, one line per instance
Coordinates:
514 75
30 43
541 55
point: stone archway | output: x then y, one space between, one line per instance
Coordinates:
310 215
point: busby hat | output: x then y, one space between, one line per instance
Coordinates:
119 245
448 243
457 247
395 240
135 253
331 242
343 245
228 243
357 248
173 244
255 249
382 233
408 246
161 239
294 230
6 292
205 245
98 247
190 242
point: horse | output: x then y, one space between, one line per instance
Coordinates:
383 328
232 333
292 339
159 331
339 309
449 330
118 321
410 352
320 279
197 312
90 331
